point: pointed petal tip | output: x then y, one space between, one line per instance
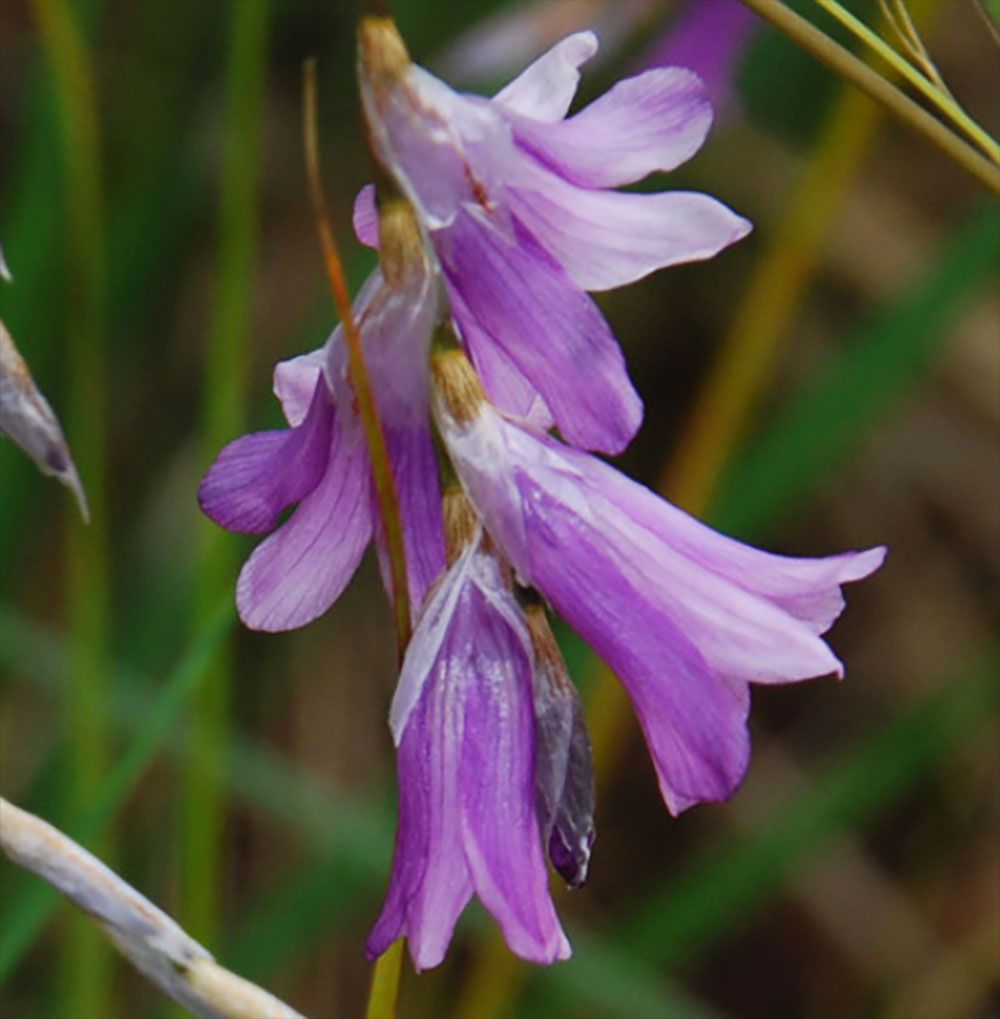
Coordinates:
71 479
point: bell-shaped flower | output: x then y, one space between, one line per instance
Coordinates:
463 722
685 617
520 203
321 463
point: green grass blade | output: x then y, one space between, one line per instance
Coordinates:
825 421
685 914
201 812
26 912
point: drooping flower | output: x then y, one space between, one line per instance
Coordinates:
685 617
520 205
321 463
463 722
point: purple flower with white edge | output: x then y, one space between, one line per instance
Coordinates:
462 719
685 617
321 462
519 202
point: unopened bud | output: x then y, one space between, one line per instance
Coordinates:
564 766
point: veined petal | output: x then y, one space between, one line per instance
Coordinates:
806 588
503 844
503 381
545 89
430 884
294 383
683 638
366 216
694 723
415 471
466 762
257 476
605 239
654 121
551 331
298 572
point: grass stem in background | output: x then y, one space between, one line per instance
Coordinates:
384 989
385 484
86 987
927 88
202 810
26 911
844 63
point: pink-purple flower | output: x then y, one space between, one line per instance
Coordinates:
686 617
519 203
503 218
463 721
321 463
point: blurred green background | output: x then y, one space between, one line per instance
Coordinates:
833 382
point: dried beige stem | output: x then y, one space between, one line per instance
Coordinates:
145 935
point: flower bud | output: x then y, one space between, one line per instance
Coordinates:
564 767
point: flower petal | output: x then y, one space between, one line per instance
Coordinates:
502 842
430 884
605 239
806 588
551 331
545 89
709 40
366 216
694 722
257 476
466 774
504 383
654 121
295 382
298 572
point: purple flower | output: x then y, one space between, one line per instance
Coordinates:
684 616
462 719
321 463
519 203
708 37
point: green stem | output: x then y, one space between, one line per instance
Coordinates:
385 983
86 989
848 66
916 78
202 810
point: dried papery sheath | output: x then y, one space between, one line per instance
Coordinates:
685 617
520 204
564 764
27 419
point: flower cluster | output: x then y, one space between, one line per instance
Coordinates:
497 218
